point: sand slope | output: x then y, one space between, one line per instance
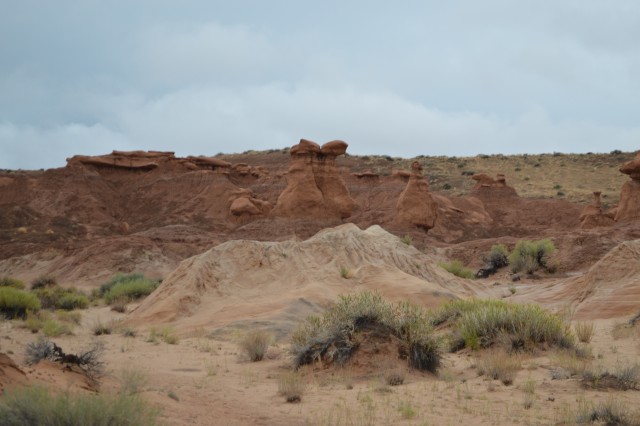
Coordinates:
278 283
610 288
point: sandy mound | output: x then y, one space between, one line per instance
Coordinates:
10 374
276 284
609 289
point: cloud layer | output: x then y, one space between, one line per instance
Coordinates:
422 78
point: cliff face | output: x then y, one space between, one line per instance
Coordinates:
147 211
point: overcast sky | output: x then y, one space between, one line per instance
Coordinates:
398 78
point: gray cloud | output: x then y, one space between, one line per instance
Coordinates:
419 78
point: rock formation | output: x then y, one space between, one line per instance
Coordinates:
629 207
135 160
314 185
487 186
416 206
592 215
243 203
209 162
367 176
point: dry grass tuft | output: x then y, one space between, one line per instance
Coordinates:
584 331
255 344
499 365
291 385
622 377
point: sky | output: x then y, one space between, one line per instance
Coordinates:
405 78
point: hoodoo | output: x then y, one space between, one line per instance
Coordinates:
416 206
315 187
629 207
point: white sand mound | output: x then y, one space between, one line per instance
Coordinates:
276 284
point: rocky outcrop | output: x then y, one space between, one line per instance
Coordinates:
244 204
415 205
629 207
592 215
315 188
367 176
135 160
401 174
209 162
488 186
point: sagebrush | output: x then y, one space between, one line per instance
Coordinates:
334 336
36 405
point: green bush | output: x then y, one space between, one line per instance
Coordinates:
336 335
53 328
15 303
132 286
498 256
529 256
57 297
11 282
458 269
35 405
483 323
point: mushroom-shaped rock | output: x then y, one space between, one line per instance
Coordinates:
334 148
629 207
305 147
315 187
488 186
592 215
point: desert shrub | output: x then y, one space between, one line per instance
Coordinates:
43 281
334 336
132 381
119 304
35 405
394 377
169 336
497 258
34 321
16 303
129 287
483 323
529 256
610 412
166 334
568 364
11 282
53 328
89 360
622 377
457 268
346 273
57 297
584 331
407 239
100 328
291 385
70 301
255 344
499 365
70 317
